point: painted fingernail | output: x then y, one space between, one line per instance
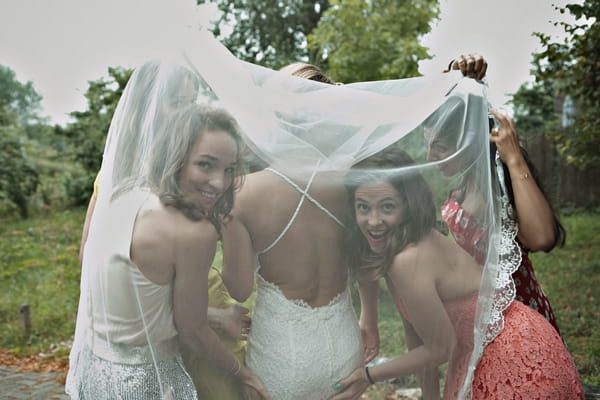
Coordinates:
337 386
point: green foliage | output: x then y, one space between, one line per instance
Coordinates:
86 135
18 177
534 109
19 104
17 98
270 33
573 68
372 40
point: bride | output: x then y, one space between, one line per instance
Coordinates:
304 334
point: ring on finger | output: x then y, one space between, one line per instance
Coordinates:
495 131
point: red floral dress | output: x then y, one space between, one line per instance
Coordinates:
469 234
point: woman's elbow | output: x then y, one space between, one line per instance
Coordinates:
540 242
239 288
239 294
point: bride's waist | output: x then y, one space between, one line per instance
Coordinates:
271 299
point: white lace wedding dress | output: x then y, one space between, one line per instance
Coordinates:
299 351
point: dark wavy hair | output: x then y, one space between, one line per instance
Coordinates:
170 154
418 210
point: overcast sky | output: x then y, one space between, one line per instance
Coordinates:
60 45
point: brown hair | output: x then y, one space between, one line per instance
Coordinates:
172 149
419 211
307 71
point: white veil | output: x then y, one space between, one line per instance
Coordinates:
296 126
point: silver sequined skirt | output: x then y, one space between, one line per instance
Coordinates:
101 379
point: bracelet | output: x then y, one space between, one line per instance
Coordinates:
371 381
236 367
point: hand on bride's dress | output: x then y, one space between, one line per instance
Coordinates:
235 322
352 387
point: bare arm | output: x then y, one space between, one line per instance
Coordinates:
537 227
194 256
430 321
86 225
369 297
431 324
429 378
238 259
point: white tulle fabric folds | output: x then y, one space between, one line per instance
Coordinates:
125 335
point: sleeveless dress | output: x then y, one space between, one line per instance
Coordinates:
469 234
527 360
117 361
299 351
211 382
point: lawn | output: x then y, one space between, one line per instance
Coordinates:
39 267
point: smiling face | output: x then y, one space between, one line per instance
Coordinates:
379 210
208 170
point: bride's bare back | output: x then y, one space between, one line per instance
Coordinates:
307 262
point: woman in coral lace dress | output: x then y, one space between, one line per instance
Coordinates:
435 286
538 226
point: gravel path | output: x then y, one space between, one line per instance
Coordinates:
16 385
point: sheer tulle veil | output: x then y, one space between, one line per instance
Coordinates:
298 127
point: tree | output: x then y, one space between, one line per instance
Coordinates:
87 133
19 104
572 68
18 177
19 98
269 33
535 110
370 40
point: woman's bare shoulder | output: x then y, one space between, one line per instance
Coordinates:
167 223
415 260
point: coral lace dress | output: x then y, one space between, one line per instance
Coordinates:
526 361
470 235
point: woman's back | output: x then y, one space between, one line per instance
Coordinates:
306 262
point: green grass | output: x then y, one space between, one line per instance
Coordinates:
39 267
570 276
